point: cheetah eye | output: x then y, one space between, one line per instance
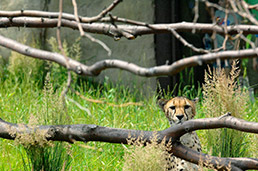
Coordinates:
187 106
172 107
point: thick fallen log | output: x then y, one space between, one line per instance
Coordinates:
85 133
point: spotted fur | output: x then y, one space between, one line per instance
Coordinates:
177 111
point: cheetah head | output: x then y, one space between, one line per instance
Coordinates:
178 109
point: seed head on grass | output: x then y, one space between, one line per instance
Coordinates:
222 94
153 156
30 135
206 166
40 153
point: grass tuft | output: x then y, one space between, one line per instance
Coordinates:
154 156
222 94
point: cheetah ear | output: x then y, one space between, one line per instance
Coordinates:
162 103
195 100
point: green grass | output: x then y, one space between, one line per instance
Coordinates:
22 95
19 99
18 102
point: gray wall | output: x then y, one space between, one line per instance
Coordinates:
139 51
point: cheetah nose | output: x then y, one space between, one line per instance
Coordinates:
179 116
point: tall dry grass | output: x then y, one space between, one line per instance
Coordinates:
221 94
154 156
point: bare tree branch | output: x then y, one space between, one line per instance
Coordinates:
35 13
82 33
214 5
85 133
118 30
218 163
225 121
105 11
185 43
98 67
77 17
112 18
67 16
242 10
196 13
60 46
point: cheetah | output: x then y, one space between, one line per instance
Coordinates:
177 111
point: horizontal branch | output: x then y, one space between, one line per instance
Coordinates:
85 133
36 13
225 121
121 30
67 16
98 67
219 163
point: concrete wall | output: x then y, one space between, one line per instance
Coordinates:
139 51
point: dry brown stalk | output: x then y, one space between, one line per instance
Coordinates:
103 102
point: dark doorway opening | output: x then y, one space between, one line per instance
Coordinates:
168 49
